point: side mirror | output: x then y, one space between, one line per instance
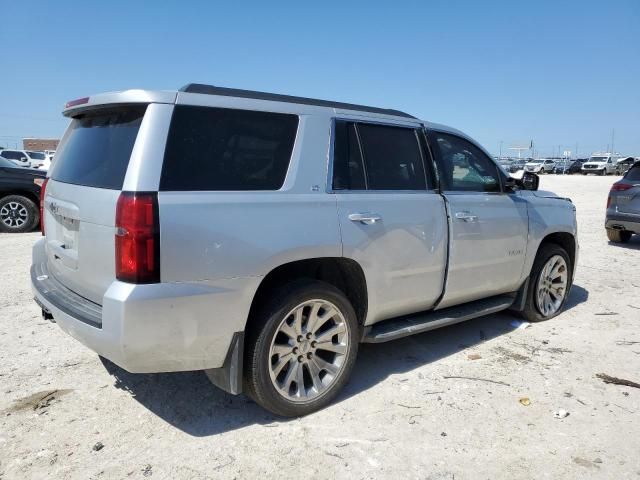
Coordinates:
529 181
23 159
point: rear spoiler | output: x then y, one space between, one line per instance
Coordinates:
126 97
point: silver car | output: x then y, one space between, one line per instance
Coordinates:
623 207
262 237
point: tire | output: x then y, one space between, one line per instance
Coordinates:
532 310
602 173
618 236
269 374
18 214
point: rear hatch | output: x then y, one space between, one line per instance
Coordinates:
82 194
628 201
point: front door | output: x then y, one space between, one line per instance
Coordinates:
488 226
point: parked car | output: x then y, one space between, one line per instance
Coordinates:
600 164
38 159
562 166
517 165
19 197
22 158
576 166
624 164
623 207
541 165
233 243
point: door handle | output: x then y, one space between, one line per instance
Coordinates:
365 218
466 217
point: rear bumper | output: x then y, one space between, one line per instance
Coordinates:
623 221
162 327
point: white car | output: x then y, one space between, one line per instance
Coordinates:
541 165
600 164
23 158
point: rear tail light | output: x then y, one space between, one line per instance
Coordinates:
620 187
137 238
43 192
617 187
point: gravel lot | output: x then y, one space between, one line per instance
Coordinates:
64 414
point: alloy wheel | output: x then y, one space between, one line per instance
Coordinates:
552 286
14 215
308 351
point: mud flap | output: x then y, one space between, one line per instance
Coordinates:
229 376
521 297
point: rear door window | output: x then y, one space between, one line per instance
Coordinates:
97 148
348 168
218 149
378 157
392 158
633 175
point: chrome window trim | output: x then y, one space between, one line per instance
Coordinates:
412 126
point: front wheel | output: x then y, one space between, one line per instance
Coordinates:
549 283
301 348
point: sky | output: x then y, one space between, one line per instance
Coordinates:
560 73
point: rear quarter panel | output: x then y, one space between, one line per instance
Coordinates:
217 235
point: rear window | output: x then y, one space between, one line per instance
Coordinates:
633 174
97 148
224 149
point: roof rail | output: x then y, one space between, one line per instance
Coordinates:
276 97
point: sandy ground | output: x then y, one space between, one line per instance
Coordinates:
399 417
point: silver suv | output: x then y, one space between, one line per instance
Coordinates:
262 237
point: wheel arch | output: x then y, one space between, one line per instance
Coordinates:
23 193
343 273
567 241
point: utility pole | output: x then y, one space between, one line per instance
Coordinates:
613 134
576 151
500 149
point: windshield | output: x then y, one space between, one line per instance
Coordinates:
598 159
536 161
36 155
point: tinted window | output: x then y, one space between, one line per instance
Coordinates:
36 155
463 166
348 171
392 158
222 149
12 155
633 174
97 148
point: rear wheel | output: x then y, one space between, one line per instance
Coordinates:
549 284
18 214
301 349
618 236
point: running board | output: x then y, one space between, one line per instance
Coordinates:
423 322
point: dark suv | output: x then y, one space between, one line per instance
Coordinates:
623 207
19 197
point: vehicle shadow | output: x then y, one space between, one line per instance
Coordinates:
189 402
633 244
